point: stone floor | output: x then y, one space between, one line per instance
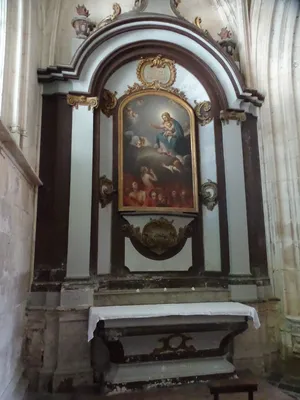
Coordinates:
188 392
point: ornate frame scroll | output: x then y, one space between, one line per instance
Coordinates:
108 102
160 65
106 191
203 112
209 199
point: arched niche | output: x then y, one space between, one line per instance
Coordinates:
100 59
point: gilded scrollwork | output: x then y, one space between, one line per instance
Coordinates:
111 18
106 191
203 112
158 235
209 194
155 71
76 101
108 102
231 114
136 87
198 23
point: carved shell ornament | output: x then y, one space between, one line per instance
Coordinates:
158 235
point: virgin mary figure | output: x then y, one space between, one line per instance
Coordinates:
171 135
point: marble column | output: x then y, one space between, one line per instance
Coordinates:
78 261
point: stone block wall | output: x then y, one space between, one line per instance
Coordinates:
258 350
17 204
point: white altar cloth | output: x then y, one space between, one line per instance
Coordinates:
169 310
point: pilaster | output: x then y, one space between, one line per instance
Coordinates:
236 198
78 260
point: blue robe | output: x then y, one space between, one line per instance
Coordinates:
171 145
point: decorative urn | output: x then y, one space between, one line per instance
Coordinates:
82 24
227 43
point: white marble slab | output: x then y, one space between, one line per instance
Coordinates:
166 310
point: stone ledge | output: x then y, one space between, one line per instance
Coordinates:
15 154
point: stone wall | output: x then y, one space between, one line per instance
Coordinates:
19 158
17 205
275 72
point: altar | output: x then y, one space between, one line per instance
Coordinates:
148 345
150 251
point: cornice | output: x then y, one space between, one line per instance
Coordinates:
72 71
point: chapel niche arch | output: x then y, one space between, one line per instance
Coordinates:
204 74
83 82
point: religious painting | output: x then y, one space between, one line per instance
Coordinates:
157 154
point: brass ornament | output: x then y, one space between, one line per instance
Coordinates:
106 191
108 102
174 342
209 194
76 101
110 18
234 115
158 235
156 65
203 112
136 87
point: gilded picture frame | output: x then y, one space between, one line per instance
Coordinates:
157 162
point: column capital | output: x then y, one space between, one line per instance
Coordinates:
80 100
233 114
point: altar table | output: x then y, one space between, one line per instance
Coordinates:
168 310
141 345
